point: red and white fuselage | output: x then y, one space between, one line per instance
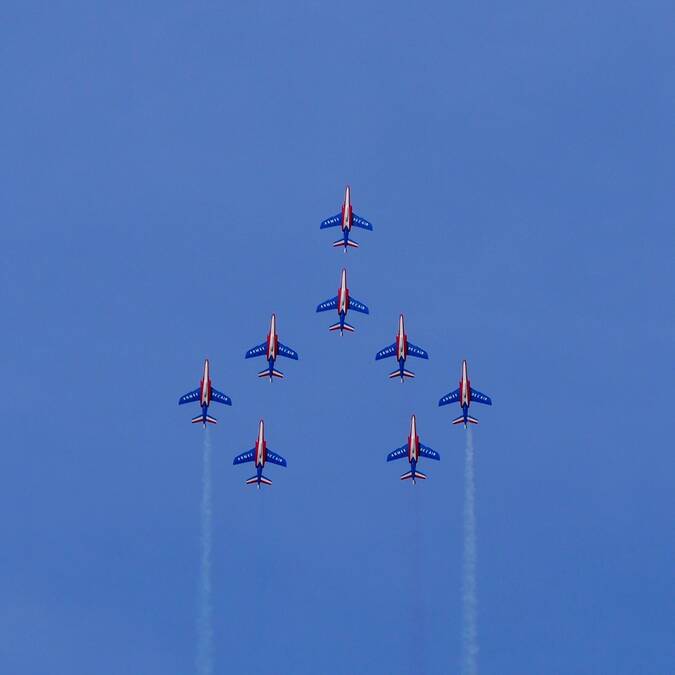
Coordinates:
261 446
401 341
343 294
272 340
413 442
205 386
347 216
464 386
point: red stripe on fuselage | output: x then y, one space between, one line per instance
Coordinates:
412 456
260 446
402 346
205 386
464 386
343 300
347 212
272 346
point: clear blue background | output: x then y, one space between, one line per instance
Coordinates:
163 173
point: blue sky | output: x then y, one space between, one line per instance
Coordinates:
164 171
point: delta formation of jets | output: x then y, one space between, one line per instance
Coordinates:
401 348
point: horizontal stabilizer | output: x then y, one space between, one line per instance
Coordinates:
401 374
271 373
417 474
204 419
350 243
469 419
253 480
341 327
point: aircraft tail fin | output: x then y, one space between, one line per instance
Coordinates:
204 419
341 327
271 373
402 374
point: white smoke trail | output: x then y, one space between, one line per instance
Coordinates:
469 602
204 625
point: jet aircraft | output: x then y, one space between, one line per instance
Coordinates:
272 348
342 302
205 394
464 396
346 219
401 349
259 454
413 450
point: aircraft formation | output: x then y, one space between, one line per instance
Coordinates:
401 349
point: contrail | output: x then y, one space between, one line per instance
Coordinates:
204 625
469 603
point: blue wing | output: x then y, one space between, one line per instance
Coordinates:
219 397
328 304
452 397
256 351
477 397
244 457
274 458
287 352
414 350
386 352
358 306
425 451
333 221
361 222
398 453
189 397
